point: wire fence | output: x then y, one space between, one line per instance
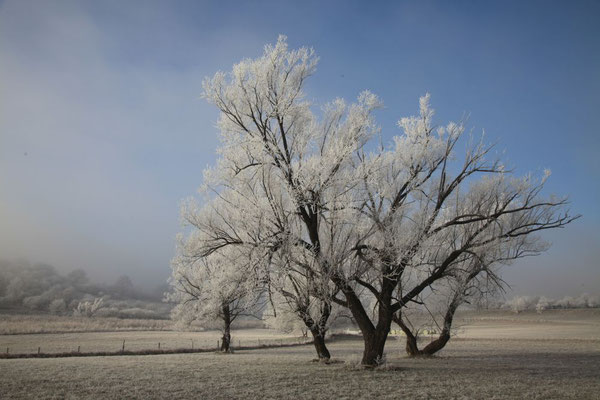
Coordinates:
160 347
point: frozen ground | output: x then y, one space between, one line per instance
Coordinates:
552 324
530 358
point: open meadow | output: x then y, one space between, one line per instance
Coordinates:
496 355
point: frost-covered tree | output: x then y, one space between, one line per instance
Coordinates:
343 221
282 314
262 242
292 170
542 304
430 213
221 286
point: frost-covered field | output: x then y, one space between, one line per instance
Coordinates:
468 369
551 324
26 324
515 365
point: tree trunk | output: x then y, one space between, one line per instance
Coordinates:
374 337
225 342
412 347
437 344
374 346
226 339
320 347
318 329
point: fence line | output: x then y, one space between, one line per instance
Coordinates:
275 343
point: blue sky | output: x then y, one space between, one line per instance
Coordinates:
102 131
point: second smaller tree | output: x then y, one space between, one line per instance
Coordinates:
221 287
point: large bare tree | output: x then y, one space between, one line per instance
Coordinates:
343 220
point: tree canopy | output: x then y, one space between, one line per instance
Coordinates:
324 212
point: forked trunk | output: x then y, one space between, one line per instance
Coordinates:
318 329
320 347
412 347
374 337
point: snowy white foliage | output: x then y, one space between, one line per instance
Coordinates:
322 218
216 287
88 308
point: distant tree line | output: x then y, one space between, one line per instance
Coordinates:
541 303
40 288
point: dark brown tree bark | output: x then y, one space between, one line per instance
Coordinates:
226 339
374 347
374 336
412 347
374 339
437 344
320 347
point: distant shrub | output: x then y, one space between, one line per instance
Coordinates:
522 303
543 304
88 308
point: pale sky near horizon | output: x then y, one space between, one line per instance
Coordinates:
102 131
